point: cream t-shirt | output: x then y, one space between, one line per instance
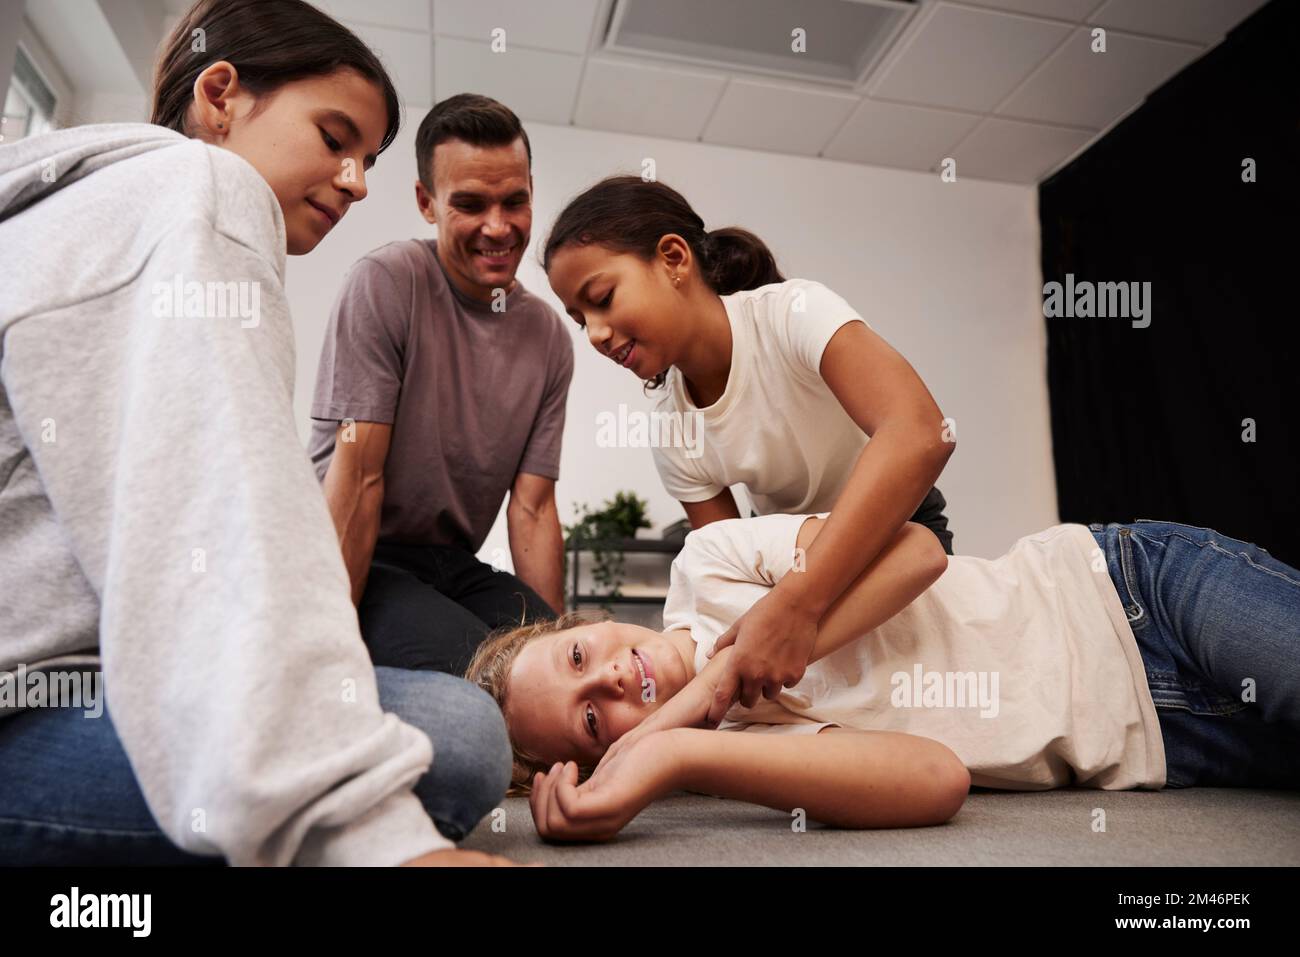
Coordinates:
1024 665
777 429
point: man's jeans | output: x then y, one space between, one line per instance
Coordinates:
1217 623
68 794
431 606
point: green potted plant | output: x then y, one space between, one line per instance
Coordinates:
600 531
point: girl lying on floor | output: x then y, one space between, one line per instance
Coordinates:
1119 656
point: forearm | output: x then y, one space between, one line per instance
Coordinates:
537 548
912 562
892 476
355 504
858 779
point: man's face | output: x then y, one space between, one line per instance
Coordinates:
482 204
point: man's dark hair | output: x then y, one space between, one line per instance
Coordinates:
474 119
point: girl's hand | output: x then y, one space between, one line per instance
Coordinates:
597 809
773 641
689 708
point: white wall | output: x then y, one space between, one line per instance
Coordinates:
948 273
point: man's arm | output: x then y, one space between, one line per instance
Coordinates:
536 545
354 491
853 779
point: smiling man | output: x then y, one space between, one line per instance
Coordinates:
442 388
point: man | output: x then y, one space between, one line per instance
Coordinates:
442 387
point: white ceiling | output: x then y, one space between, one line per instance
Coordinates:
1009 88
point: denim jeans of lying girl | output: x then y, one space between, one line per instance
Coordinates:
68 795
1217 623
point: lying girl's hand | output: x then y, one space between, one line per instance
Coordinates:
689 708
598 809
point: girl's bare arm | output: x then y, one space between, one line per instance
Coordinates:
851 779
910 563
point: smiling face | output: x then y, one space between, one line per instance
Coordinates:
313 141
482 203
575 692
631 309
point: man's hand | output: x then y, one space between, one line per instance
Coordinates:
773 642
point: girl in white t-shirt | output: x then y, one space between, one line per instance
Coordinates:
772 384
1146 655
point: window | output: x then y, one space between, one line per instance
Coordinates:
30 103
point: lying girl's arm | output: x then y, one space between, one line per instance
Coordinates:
852 779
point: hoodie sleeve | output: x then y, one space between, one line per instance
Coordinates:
162 428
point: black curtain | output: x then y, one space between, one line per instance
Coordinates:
1148 422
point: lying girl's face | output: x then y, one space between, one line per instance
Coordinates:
625 304
313 141
575 692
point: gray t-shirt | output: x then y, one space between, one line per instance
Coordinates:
474 396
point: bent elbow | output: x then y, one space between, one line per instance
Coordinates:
953 787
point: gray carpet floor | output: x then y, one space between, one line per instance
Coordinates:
1182 827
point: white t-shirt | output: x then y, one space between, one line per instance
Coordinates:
777 429
1024 665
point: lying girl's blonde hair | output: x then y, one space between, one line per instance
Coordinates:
490 670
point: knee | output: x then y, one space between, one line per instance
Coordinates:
471 750
474 763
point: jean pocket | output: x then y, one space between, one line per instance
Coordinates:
1133 608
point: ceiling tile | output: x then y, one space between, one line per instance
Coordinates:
536 84
887 134
1074 10
563 25
1199 21
405 55
966 58
405 14
1081 88
779 117
652 101
1012 152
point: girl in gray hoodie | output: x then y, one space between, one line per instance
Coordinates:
158 515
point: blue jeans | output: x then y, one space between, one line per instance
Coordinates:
68 794
1217 623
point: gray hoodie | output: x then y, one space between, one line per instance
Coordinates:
157 508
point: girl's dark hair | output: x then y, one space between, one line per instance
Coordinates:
629 215
270 43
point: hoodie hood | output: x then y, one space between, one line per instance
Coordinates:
83 209
38 166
